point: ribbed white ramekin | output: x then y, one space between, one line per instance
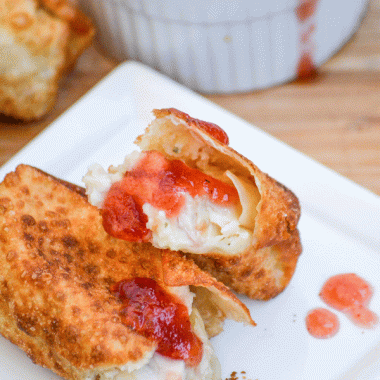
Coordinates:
224 46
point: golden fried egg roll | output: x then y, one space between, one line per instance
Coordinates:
187 190
89 306
40 41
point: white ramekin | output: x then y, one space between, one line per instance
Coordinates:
224 46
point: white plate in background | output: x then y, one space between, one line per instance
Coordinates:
340 228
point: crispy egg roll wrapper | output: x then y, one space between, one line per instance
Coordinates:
259 274
266 267
56 268
41 41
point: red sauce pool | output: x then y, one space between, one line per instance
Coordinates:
322 323
155 313
161 183
350 294
347 293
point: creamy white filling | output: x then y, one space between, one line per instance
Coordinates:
200 227
98 181
184 294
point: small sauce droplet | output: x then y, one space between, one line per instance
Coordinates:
306 69
155 313
306 9
350 294
161 183
347 293
322 323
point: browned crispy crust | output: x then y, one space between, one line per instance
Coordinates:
81 28
260 274
56 268
267 267
39 46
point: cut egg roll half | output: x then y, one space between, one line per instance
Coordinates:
91 307
187 190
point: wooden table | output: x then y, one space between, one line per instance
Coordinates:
335 118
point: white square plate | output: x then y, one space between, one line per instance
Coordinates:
340 229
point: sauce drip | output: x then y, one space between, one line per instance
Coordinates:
306 69
350 294
322 323
155 313
123 216
161 183
305 13
306 9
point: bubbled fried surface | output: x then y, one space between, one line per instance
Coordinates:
56 268
37 47
259 274
80 26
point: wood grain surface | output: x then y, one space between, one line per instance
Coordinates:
335 118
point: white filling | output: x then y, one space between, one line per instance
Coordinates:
201 227
98 181
184 294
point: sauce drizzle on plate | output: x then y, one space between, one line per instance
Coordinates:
347 293
322 323
350 294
